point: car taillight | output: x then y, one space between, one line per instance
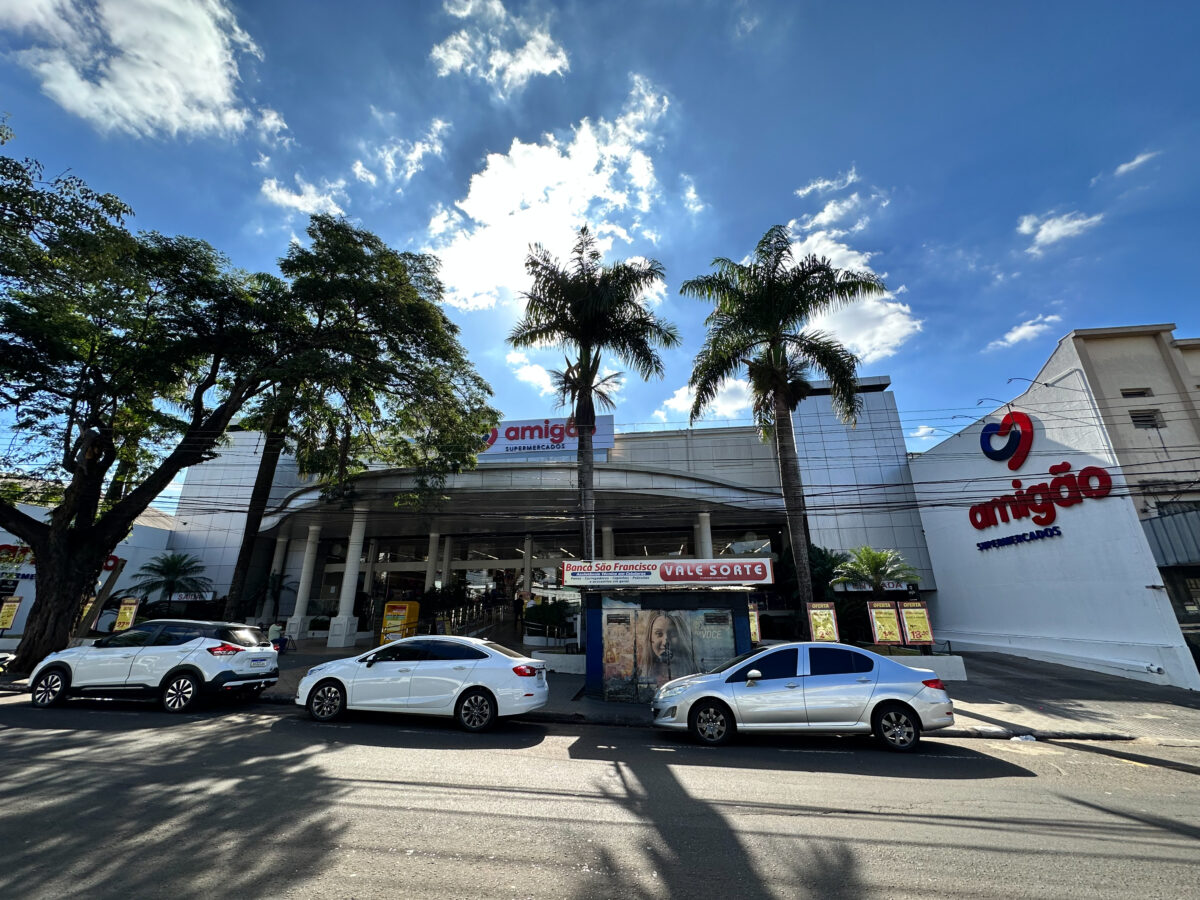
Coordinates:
224 650
935 683
525 671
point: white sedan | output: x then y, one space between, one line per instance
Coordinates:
473 680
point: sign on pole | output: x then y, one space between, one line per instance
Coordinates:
822 622
885 624
914 615
126 613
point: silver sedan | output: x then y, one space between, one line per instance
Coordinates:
816 687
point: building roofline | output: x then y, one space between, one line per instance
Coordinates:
1121 330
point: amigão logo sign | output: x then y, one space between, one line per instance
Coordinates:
543 435
1038 502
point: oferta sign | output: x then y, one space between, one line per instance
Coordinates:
666 572
544 435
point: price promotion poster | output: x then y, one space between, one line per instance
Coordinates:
822 622
885 623
126 613
8 612
914 615
399 619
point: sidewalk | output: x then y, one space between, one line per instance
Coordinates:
1004 696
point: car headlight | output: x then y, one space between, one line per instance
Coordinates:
668 692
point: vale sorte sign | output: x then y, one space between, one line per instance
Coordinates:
666 572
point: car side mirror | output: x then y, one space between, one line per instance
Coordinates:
753 675
100 642
369 660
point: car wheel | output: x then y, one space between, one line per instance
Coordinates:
476 710
180 693
327 701
711 723
896 726
49 688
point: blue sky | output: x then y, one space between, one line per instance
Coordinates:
1012 170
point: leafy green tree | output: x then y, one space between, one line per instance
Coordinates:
588 308
758 327
169 574
871 567
822 564
389 382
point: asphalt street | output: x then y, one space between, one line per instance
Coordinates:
107 799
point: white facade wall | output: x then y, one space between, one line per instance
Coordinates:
1092 597
145 542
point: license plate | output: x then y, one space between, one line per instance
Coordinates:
258 663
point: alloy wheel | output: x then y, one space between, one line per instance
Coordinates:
897 728
179 694
711 724
47 689
326 702
476 711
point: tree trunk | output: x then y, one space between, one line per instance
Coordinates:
793 504
64 579
259 498
585 425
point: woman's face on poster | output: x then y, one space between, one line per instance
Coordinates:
662 633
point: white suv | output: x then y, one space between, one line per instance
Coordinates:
173 660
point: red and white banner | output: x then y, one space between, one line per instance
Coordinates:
666 572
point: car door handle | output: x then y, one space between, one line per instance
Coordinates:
864 680
460 668
403 670
791 684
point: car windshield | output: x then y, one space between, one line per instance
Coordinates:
730 663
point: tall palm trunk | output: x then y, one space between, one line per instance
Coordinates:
793 503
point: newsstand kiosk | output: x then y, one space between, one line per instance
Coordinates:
651 620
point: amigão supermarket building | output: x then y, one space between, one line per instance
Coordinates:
1111 584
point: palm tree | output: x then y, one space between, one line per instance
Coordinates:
872 567
758 327
588 308
171 574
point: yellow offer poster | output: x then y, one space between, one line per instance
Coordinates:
915 617
822 622
885 624
8 612
399 619
126 613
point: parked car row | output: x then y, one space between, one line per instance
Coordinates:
799 687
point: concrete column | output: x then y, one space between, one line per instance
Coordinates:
528 580
606 542
447 555
704 547
267 612
431 560
343 628
299 621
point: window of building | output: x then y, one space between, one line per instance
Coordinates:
1146 418
1130 393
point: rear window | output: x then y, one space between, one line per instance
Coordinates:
244 637
449 650
500 648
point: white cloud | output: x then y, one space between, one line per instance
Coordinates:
824 185
874 328
262 162
1139 160
504 50
599 175
530 373
834 211
1026 331
402 159
1049 229
145 67
308 199
733 401
271 127
362 173
924 433
691 200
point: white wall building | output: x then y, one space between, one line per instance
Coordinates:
1036 553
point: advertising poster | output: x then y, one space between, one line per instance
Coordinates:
8 612
755 634
126 613
651 573
885 624
399 619
645 648
822 622
914 616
